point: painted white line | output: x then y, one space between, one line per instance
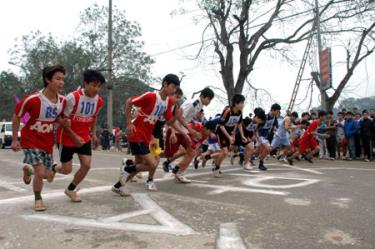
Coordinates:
338 168
168 224
227 188
10 186
302 169
52 195
229 237
257 182
125 216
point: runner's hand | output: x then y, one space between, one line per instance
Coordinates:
130 129
78 141
244 139
95 143
173 138
16 146
232 140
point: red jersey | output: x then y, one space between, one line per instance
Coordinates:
311 128
82 111
38 133
151 109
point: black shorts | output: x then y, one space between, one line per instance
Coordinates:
204 147
239 142
139 148
223 140
66 152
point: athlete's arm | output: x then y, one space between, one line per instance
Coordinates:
94 138
179 130
240 128
16 146
128 111
65 122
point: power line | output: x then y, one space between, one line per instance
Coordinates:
212 38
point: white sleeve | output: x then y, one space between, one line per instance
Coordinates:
188 111
70 102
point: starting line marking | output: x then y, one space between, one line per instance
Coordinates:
227 188
230 237
168 224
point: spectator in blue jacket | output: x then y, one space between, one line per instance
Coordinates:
351 127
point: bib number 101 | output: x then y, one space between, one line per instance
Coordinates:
87 108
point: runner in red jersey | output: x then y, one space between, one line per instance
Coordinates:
37 136
307 141
152 106
83 106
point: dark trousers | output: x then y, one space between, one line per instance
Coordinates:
367 147
331 146
358 147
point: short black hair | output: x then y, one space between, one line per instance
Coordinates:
322 113
179 92
294 114
258 110
364 111
171 79
305 114
349 113
237 98
49 71
275 107
313 113
261 114
341 113
211 125
91 75
330 112
207 92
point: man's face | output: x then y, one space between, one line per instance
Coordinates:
349 116
306 117
57 82
176 99
365 115
206 101
170 89
240 105
341 117
322 118
92 88
275 113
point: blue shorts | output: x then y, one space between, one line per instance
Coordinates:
280 141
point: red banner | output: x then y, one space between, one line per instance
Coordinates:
326 69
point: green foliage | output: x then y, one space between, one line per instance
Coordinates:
88 49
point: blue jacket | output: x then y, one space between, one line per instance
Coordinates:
351 127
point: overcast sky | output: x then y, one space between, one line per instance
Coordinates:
162 32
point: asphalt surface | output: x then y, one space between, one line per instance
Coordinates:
328 204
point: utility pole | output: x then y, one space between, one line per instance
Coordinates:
110 85
320 49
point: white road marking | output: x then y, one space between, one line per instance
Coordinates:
229 237
227 188
298 202
257 182
302 169
168 224
10 186
52 195
342 202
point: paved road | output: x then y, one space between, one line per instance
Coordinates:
324 205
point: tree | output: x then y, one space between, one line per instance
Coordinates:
10 88
249 28
131 66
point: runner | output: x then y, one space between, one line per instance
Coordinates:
231 119
248 147
189 110
83 106
308 141
37 136
281 137
262 145
152 106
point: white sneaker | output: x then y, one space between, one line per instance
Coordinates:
123 174
151 186
232 158
181 178
247 166
217 173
